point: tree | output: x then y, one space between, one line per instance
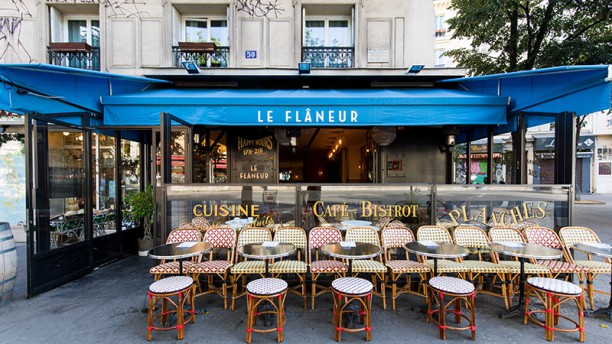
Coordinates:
513 35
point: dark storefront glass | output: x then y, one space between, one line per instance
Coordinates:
130 175
105 185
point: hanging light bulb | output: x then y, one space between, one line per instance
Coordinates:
383 136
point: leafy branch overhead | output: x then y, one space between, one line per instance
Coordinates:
259 8
512 35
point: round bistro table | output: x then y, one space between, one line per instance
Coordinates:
439 250
602 250
266 250
351 250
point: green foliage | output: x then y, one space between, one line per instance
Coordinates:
5 138
511 35
141 207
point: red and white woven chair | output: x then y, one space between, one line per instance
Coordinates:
172 268
547 237
223 242
200 223
320 264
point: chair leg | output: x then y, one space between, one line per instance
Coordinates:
590 289
442 319
150 316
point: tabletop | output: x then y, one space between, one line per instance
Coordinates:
266 250
180 250
598 249
351 250
437 250
523 250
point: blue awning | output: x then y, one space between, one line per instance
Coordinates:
49 89
578 89
304 107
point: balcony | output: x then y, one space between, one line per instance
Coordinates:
74 54
329 57
204 54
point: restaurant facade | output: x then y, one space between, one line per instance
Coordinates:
362 130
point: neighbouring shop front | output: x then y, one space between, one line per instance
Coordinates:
276 150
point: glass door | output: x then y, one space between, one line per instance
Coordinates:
59 246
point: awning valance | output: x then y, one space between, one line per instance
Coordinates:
305 107
49 89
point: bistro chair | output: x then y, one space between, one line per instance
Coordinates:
242 266
176 294
394 239
476 240
200 223
172 268
574 235
552 293
396 223
382 222
521 225
373 266
223 241
439 234
547 237
297 266
187 225
320 264
508 234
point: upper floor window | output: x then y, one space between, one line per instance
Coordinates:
439 58
440 26
198 29
325 32
83 30
75 37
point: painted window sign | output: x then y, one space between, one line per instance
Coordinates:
250 54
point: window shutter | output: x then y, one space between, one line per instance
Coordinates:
57 25
177 33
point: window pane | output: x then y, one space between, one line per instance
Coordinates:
95 33
103 152
77 31
338 34
219 33
130 175
315 33
195 31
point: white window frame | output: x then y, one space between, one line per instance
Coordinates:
439 60
440 25
87 19
326 20
208 20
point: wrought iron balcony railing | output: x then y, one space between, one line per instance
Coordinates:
74 54
329 57
203 54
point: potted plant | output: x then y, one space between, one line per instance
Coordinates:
140 206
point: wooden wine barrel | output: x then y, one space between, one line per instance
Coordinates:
8 263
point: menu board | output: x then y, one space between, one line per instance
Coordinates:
254 156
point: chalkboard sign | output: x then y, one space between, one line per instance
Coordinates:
254 156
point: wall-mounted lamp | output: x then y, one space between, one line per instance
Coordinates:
450 140
414 69
191 67
66 133
304 67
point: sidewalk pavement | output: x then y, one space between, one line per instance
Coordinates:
108 306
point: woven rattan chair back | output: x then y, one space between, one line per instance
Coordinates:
434 233
521 225
500 234
221 237
320 236
186 225
294 235
200 223
184 234
542 236
362 234
395 237
573 235
383 222
396 223
471 237
250 235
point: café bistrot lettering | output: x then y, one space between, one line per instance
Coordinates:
367 210
525 211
